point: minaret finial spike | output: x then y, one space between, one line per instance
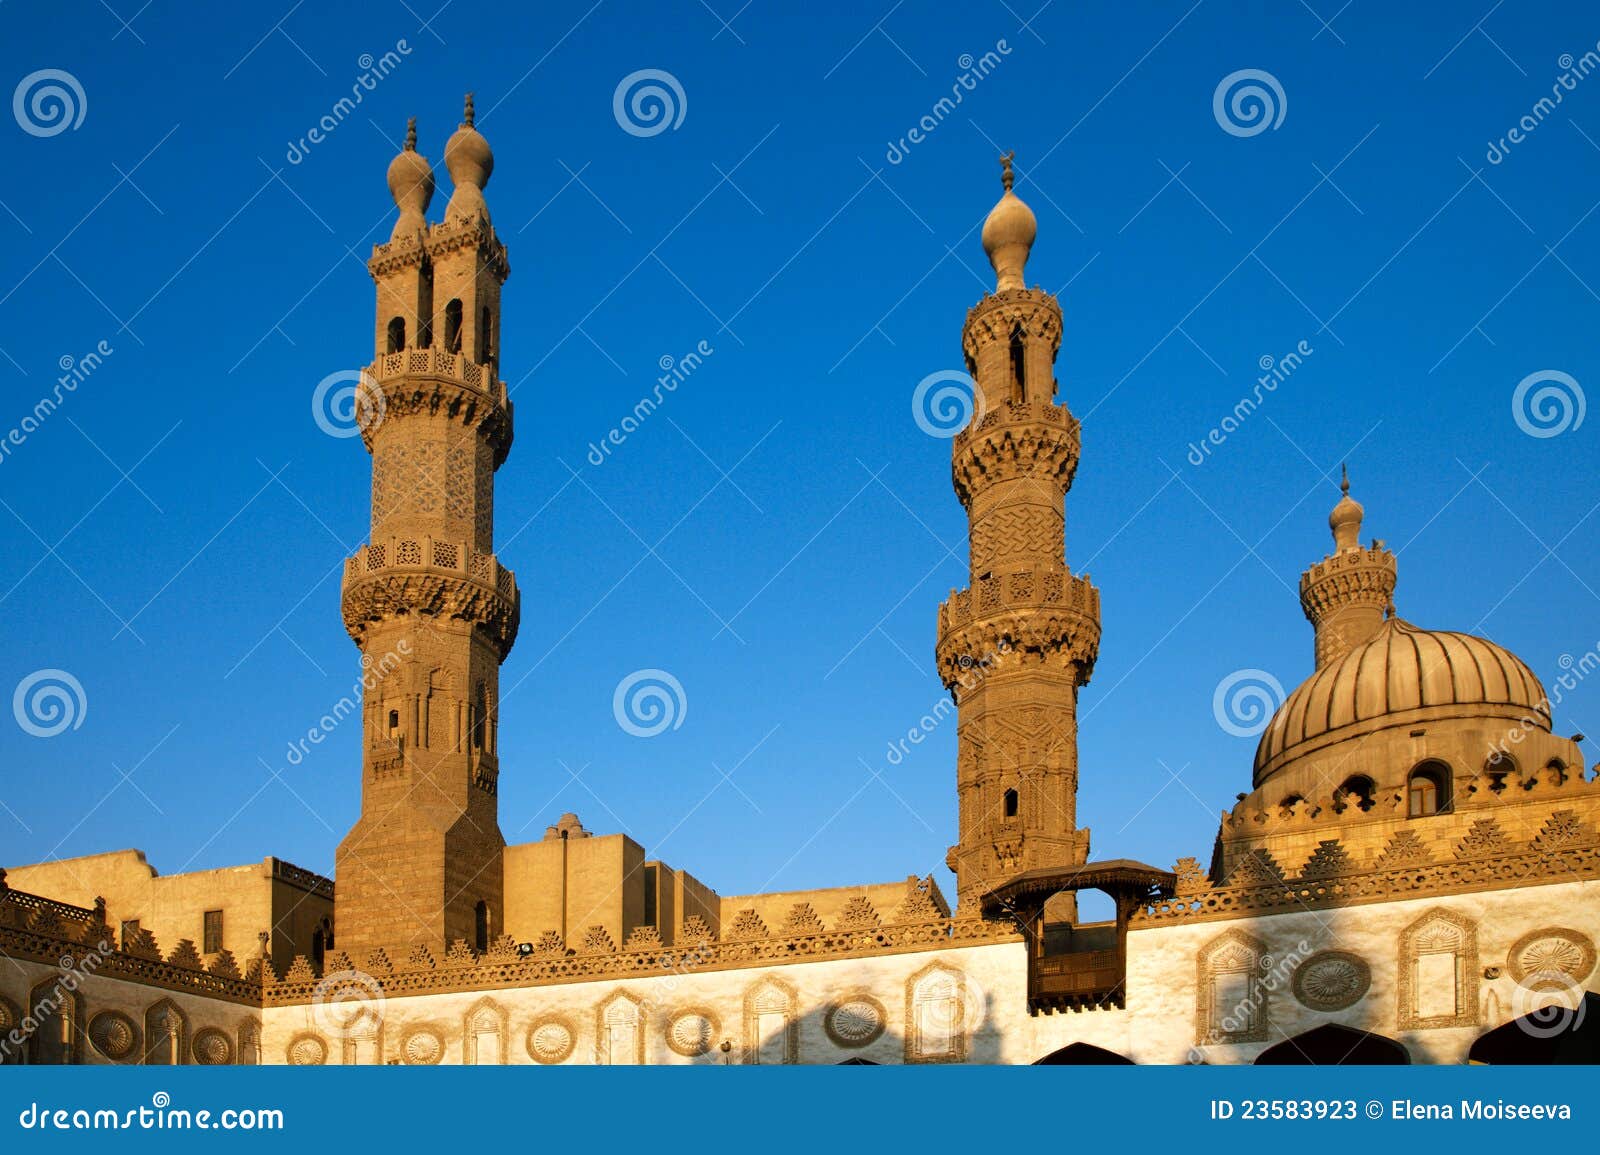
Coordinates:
468 117
1344 479
411 134
1005 168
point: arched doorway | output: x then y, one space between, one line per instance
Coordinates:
857 1063
1554 1035
1331 1045
1083 1055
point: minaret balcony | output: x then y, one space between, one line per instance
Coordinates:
435 362
1037 609
421 575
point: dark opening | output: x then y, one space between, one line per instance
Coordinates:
1018 360
478 712
1011 803
649 896
1564 1032
211 932
1358 791
1083 1055
1331 1045
452 327
397 334
483 337
480 926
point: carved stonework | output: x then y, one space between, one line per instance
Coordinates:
422 1047
771 1035
597 940
1551 952
747 925
1231 999
1330 860
857 914
643 938
1438 972
620 1026
1484 840
212 1048
1192 878
802 920
695 932
1404 849
114 1035
306 1050
855 1019
550 1040
484 1034
1563 828
692 1031
1332 980
942 1009
1256 868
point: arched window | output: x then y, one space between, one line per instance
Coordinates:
1358 790
479 714
1428 790
1018 361
1011 803
397 334
394 723
1286 807
483 336
480 923
452 327
1501 769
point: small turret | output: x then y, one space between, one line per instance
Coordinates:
1347 595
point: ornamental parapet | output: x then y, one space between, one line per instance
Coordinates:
433 382
433 578
1032 439
1351 575
1023 615
463 969
1036 312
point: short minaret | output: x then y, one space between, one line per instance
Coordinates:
1016 645
1347 594
427 601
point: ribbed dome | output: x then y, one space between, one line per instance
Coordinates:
1400 671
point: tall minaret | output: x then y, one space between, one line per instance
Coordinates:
1346 595
1014 648
427 601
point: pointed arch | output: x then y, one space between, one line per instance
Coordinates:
57 1015
1561 1034
940 1006
1438 972
1083 1055
1333 1045
10 1020
166 1035
484 1034
620 1031
770 1033
1231 1004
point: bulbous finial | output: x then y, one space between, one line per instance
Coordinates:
1345 520
470 161
1009 232
411 186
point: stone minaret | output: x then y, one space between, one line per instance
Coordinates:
1346 595
1015 646
427 601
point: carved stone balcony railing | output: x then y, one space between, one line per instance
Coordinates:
431 577
1026 614
435 362
299 876
1040 586
1020 413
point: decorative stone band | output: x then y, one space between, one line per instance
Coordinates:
405 575
1021 617
1528 867
433 382
401 253
82 942
299 876
445 236
1017 440
462 970
998 315
1362 576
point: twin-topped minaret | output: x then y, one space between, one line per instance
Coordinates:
427 601
1014 647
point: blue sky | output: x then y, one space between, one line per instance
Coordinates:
172 534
